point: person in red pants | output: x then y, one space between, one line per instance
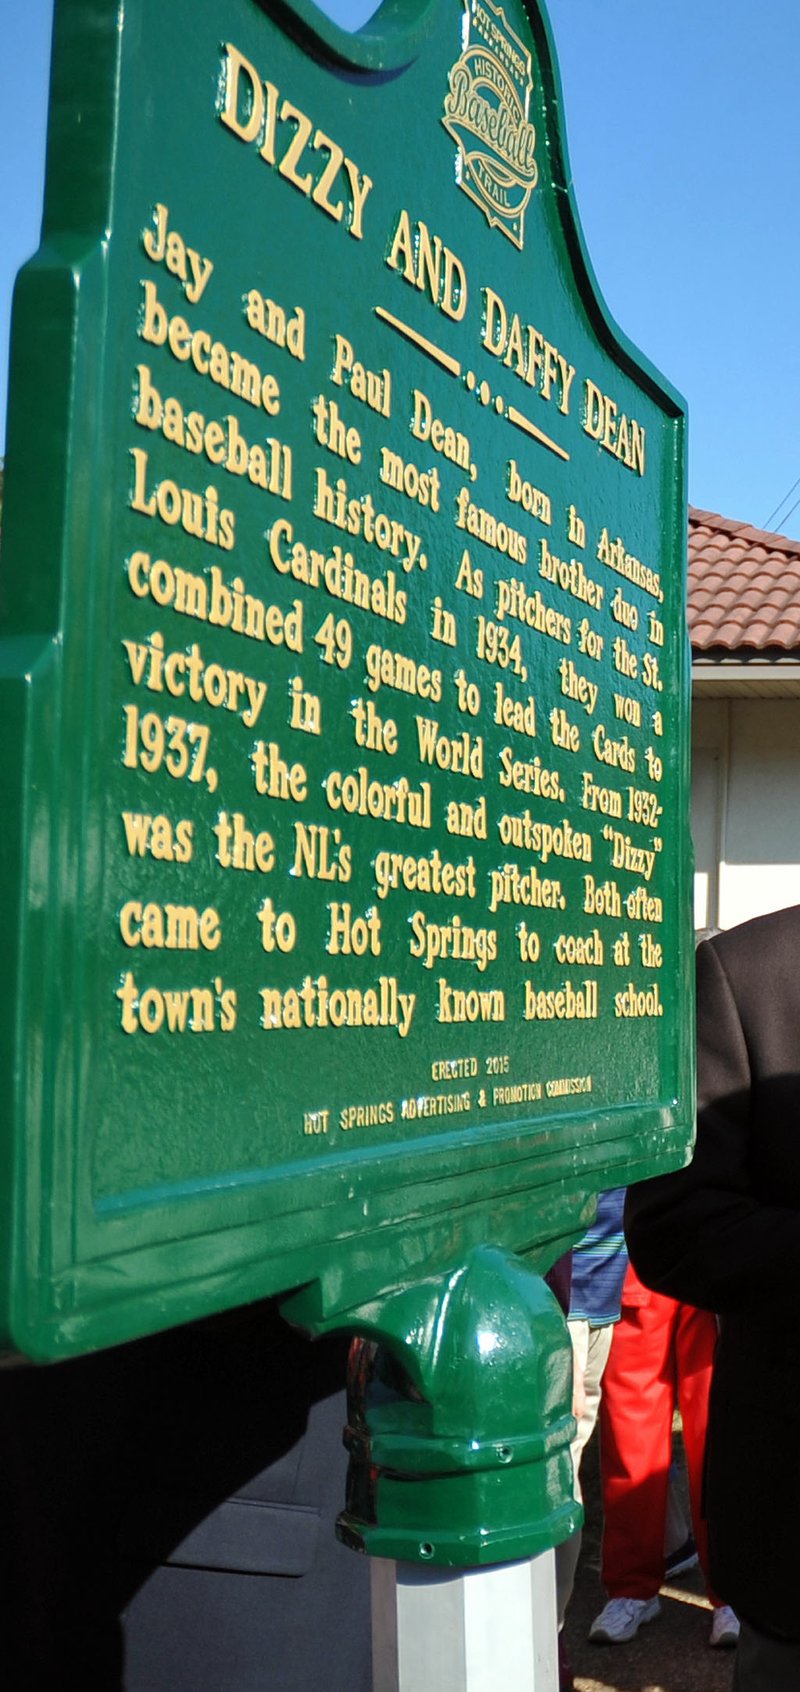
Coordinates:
662 1354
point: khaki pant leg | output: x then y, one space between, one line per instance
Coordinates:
590 1348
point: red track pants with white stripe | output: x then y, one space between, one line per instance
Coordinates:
662 1353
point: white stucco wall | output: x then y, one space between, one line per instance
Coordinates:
745 808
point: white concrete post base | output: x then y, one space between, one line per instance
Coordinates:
464 1630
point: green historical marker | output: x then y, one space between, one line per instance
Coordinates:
345 864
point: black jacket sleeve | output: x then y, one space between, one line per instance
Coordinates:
709 1234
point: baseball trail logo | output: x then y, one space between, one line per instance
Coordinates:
486 112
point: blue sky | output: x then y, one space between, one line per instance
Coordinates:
684 131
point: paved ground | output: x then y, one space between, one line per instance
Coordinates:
670 1654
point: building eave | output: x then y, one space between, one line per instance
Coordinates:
731 678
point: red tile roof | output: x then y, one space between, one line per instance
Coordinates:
744 588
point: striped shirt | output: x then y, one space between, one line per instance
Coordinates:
599 1262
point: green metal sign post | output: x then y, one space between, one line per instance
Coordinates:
345 865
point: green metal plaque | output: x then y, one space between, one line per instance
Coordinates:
345 865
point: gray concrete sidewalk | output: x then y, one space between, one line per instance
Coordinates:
670 1654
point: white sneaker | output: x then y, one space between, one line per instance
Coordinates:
724 1627
622 1618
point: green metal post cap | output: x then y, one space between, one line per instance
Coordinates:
460 1420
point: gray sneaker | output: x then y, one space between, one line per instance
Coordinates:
621 1620
724 1627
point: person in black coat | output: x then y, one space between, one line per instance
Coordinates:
724 1234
